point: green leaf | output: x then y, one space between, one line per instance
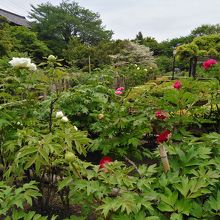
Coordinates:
184 186
26 151
30 162
66 182
214 202
183 206
165 207
107 206
133 141
196 210
169 197
152 218
44 154
176 216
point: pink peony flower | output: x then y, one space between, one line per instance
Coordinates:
162 115
163 137
117 92
120 89
208 63
177 85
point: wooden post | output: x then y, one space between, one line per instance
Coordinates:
89 64
190 66
194 66
164 159
173 69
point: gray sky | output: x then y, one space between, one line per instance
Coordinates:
162 19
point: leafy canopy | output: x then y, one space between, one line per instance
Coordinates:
57 24
206 29
21 39
207 45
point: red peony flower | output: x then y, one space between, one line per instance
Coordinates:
208 63
163 137
177 85
162 115
104 161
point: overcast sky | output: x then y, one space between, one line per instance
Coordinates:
162 19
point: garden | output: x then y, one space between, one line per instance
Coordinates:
109 131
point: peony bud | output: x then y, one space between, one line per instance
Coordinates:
162 115
59 114
75 128
69 156
177 85
101 116
64 119
51 58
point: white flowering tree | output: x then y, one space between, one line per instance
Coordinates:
133 53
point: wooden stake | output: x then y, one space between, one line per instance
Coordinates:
164 159
89 64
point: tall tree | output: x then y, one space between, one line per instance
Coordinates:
148 42
57 24
206 29
168 46
154 46
139 38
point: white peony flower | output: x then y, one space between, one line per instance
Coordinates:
59 114
75 128
64 119
32 67
17 62
20 62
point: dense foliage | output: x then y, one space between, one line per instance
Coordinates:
47 132
21 40
206 29
201 46
102 133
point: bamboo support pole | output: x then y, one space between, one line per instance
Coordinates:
164 158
